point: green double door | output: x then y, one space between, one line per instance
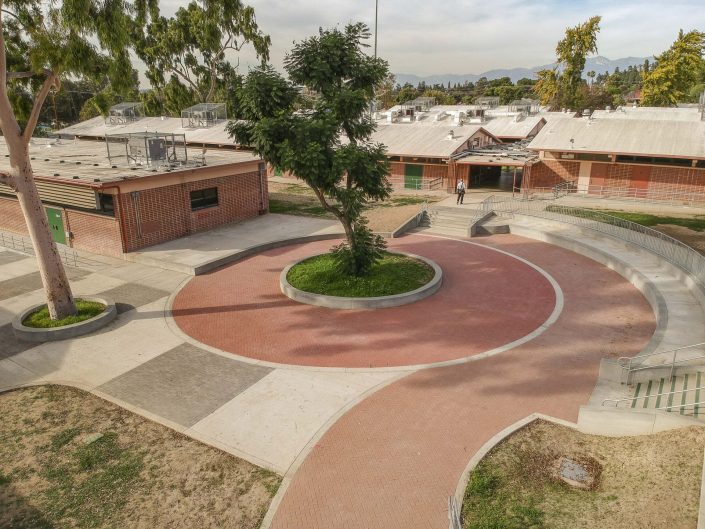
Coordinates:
56 225
413 175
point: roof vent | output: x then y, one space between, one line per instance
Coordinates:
203 115
451 135
124 113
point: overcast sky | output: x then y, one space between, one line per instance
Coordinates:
471 36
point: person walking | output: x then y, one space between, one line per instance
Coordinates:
460 189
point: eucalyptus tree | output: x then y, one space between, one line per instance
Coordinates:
41 42
561 86
188 53
677 71
324 141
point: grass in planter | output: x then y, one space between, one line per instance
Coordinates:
393 274
86 310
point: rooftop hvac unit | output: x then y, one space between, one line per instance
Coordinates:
124 113
203 115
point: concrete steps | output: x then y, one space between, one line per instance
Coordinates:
682 395
445 220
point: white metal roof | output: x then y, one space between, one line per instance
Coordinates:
677 139
509 127
87 161
410 139
97 128
650 113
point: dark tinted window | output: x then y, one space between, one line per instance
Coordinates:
204 198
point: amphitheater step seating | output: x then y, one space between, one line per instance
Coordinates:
448 220
681 394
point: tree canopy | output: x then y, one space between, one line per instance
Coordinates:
562 85
679 72
316 125
187 55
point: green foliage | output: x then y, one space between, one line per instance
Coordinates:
357 256
321 132
186 55
85 310
562 87
392 274
678 70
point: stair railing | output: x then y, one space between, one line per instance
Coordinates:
632 400
627 363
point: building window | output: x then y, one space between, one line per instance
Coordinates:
106 204
204 198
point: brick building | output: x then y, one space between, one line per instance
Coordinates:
111 205
656 154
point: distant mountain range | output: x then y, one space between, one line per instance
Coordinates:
598 64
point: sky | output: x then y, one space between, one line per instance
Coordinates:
472 36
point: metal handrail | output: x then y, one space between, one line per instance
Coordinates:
656 353
632 399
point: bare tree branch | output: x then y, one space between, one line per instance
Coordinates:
20 75
8 180
50 82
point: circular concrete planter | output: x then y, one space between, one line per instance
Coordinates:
380 302
33 334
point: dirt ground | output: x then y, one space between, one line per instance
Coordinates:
296 198
649 482
71 460
694 239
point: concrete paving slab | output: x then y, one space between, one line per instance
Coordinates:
189 253
184 384
134 338
9 344
32 281
13 265
13 375
274 419
132 295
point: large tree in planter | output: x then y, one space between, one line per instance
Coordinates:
41 42
317 126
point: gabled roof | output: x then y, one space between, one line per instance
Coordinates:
669 139
650 113
509 127
408 139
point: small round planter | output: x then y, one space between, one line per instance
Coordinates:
34 334
380 302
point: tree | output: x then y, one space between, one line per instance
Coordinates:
676 71
561 86
327 145
41 42
190 49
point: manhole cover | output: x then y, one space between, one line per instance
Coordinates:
575 473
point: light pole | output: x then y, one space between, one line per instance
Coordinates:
376 11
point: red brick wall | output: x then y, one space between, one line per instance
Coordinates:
548 173
164 213
653 182
90 232
11 218
93 233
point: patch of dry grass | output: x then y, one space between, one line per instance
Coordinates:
646 481
71 460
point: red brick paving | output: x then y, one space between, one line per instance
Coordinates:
393 460
487 299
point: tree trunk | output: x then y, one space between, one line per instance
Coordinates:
56 285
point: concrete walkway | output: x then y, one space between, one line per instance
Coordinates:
205 251
363 449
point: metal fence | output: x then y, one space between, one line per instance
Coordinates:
415 184
24 244
666 195
656 242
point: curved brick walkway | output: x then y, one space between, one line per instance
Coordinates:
392 461
488 299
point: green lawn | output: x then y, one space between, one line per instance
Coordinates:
86 310
394 274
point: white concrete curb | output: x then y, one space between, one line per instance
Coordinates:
378 302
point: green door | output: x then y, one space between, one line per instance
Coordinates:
413 174
56 225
